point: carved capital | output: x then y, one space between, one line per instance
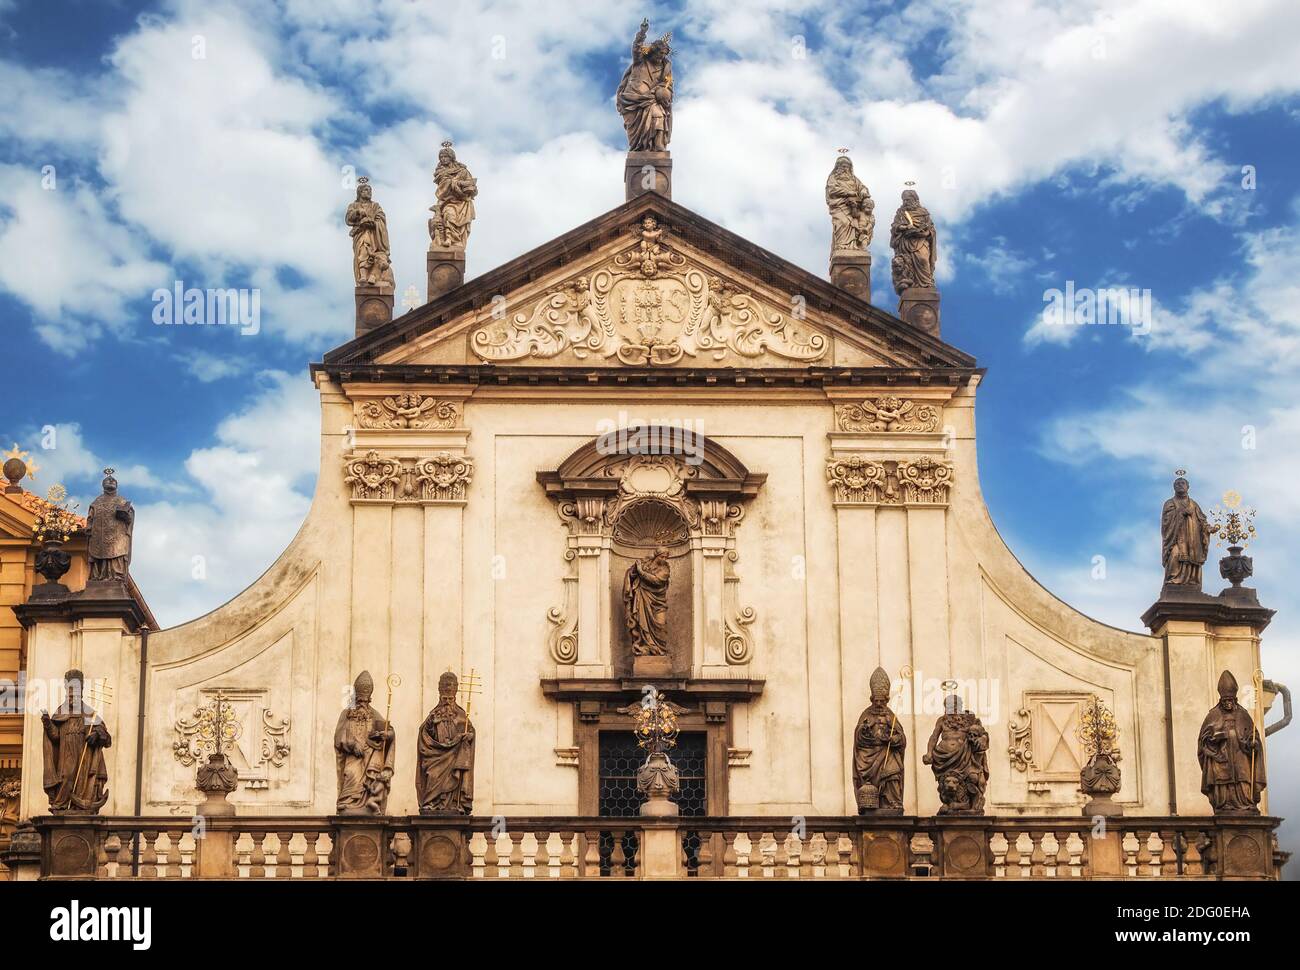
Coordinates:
859 480
444 477
373 477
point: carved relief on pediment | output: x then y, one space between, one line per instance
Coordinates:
650 306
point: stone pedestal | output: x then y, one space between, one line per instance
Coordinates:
359 847
851 271
374 307
919 306
1103 805
661 851
648 172
652 666
446 271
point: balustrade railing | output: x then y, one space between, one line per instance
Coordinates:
576 848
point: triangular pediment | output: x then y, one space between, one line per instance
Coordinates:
649 284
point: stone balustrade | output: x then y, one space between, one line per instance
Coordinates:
569 848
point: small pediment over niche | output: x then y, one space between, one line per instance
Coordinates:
649 285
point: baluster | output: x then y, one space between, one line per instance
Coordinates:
535 858
548 853
244 846
705 858
1193 864
491 858
110 848
617 860
295 845
284 856
1034 857
503 854
321 847
478 847
590 855
998 845
148 856
730 858
817 848
1156 850
163 849
767 846
1051 854
517 855
1130 847
1074 845
1013 855
793 846
185 846
568 864
921 847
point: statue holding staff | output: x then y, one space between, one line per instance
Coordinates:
73 741
444 779
363 748
645 94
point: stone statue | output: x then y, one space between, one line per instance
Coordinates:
110 521
958 755
878 745
444 779
912 238
363 748
645 600
457 189
371 254
645 94
1185 538
74 739
853 215
1231 753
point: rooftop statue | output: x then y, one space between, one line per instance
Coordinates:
457 189
371 254
1185 538
912 238
110 522
853 217
645 94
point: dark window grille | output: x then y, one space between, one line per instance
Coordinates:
620 759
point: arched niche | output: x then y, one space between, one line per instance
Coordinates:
618 495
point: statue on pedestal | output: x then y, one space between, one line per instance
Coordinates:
913 239
371 253
456 188
110 521
645 600
363 746
444 779
1231 752
958 755
645 94
878 745
73 741
853 218
1185 538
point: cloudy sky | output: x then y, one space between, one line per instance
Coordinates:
1140 144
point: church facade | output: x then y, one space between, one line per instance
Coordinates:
651 459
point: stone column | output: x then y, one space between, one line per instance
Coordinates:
648 172
446 271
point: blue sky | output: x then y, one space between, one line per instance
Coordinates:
1138 144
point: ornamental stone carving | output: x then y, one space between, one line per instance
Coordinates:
648 306
858 480
407 411
888 414
444 477
441 477
248 729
